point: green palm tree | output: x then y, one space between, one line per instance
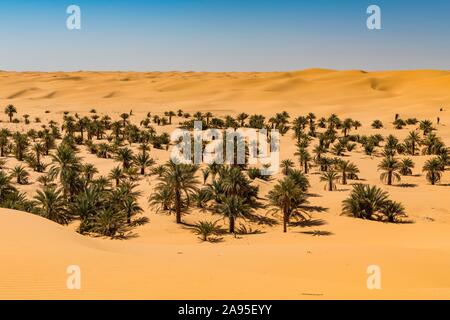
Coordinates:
208 116
20 145
144 161
286 166
4 135
330 177
10 110
406 166
88 170
131 207
125 155
393 210
6 188
390 167
21 174
364 201
426 126
180 179
109 222
433 168
345 167
206 229
117 175
287 197
38 150
51 204
124 117
413 140
300 179
242 117
304 158
377 124
161 199
233 207
66 166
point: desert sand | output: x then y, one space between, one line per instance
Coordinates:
166 261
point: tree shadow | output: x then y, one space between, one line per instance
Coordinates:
318 233
314 195
262 220
309 223
406 185
319 209
139 222
125 236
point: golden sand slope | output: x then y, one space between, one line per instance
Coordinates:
167 261
302 91
414 260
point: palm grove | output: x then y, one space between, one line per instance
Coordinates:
71 189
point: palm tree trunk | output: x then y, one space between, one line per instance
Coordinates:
390 178
178 206
232 224
285 222
344 177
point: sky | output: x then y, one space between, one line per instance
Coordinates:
223 35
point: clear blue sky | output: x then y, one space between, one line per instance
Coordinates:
224 35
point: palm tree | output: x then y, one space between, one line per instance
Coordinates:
117 175
161 199
413 140
6 188
124 117
343 167
304 158
88 170
131 207
10 110
377 124
426 126
144 161
287 166
180 179
433 168
170 114
4 135
287 197
364 201
390 167
51 205
109 222
356 124
352 171
393 210
124 155
330 177
21 175
208 116
242 117
205 229
21 145
233 207
66 165
39 150
347 125
300 179
406 166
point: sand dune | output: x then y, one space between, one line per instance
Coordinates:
166 260
415 262
333 91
